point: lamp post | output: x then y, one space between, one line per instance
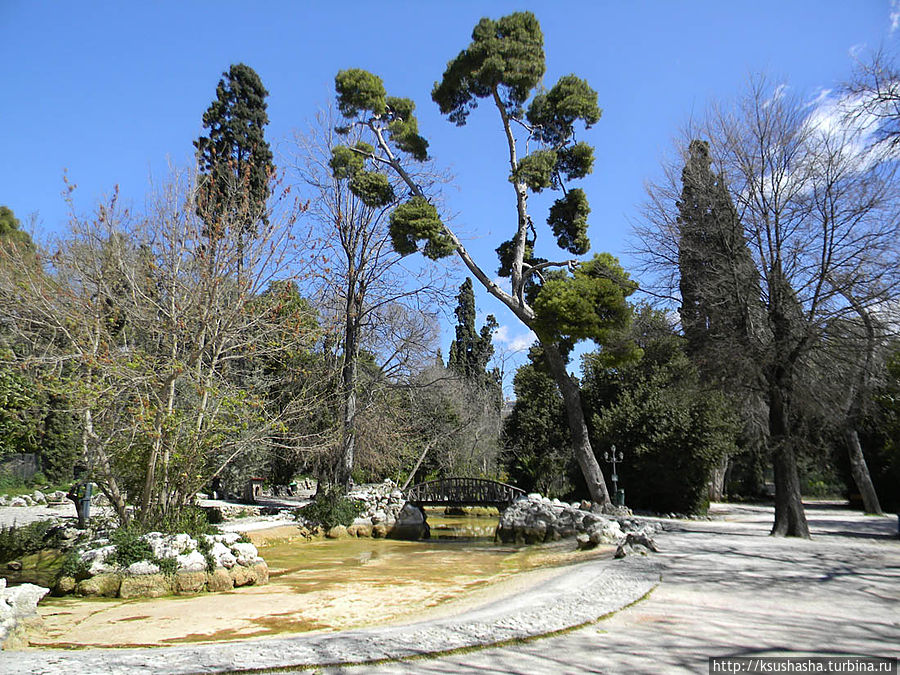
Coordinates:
613 457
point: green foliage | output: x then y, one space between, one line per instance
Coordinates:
331 507
554 113
536 170
672 430
10 232
718 279
235 159
417 220
16 542
505 252
373 188
191 520
359 90
130 548
536 436
568 220
589 304
506 55
346 162
60 447
471 350
404 128
73 566
20 423
575 161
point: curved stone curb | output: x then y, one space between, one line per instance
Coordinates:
582 594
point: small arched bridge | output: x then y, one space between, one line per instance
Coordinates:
463 492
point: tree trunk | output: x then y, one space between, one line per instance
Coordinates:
717 480
581 443
348 379
860 471
790 519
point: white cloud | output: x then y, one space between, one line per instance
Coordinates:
514 343
895 15
505 283
776 95
856 50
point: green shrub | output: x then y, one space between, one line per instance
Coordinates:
168 566
331 508
191 520
74 566
130 548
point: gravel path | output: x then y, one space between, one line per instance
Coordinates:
727 588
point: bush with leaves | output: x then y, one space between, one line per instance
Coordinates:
672 430
331 507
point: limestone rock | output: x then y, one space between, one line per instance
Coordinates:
142 567
96 559
190 582
584 541
410 524
223 555
65 585
246 554
379 531
364 530
191 562
337 532
145 586
17 604
18 501
219 580
102 585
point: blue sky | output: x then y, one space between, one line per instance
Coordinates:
112 91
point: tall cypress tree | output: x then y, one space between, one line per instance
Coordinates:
719 282
234 159
472 349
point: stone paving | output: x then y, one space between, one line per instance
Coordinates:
727 589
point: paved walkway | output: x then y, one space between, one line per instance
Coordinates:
727 589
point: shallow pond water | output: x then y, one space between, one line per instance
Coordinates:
315 585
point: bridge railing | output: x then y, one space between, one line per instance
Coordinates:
463 492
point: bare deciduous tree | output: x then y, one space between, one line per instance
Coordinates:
819 214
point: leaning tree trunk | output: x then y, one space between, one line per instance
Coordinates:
581 443
790 519
860 472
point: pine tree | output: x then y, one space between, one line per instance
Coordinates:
562 301
235 160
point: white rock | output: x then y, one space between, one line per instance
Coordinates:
18 501
535 497
143 567
183 543
223 555
246 554
38 497
378 517
191 562
227 538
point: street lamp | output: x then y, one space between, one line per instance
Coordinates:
613 458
